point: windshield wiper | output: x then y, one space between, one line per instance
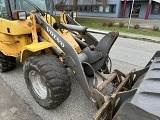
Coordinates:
37 8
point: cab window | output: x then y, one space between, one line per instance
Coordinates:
24 5
3 10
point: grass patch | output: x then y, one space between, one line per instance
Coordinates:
56 18
98 24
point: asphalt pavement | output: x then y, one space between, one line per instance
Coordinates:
18 104
12 107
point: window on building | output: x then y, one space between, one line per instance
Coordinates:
110 9
96 8
101 8
155 9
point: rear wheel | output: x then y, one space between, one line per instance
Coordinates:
7 62
47 80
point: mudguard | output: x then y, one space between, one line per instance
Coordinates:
34 47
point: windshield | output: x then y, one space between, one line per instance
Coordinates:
44 5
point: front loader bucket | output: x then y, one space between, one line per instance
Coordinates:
145 104
136 97
109 104
132 112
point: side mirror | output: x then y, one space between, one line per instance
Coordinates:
19 15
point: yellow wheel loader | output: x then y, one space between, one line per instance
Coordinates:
46 49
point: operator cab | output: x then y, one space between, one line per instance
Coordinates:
8 7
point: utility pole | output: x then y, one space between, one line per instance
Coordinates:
130 15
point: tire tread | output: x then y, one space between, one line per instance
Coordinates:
7 63
56 77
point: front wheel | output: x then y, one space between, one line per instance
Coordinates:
47 80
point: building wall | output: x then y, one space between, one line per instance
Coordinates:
142 10
118 12
118 7
154 16
105 14
157 16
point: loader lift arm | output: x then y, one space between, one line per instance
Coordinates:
73 61
71 55
76 60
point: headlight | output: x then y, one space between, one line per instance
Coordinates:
19 15
22 15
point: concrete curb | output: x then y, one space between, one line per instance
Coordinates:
140 37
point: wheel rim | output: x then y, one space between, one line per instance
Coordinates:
38 84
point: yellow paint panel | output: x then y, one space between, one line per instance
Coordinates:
68 37
38 46
18 27
49 19
63 18
48 38
10 49
3 25
15 27
6 39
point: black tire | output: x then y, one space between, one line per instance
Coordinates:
7 62
55 77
